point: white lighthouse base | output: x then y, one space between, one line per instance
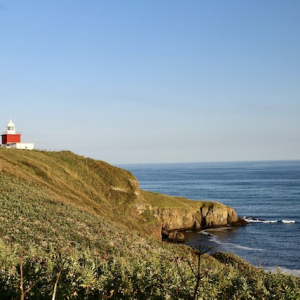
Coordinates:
27 146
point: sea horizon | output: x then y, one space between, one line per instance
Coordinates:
206 162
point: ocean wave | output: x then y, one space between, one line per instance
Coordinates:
256 220
204 232
288 221
216 240
237 246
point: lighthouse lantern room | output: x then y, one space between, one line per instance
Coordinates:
11 139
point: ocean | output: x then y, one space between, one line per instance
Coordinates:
268 192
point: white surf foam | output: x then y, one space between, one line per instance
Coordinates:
256 220
204 232
216 240
284 271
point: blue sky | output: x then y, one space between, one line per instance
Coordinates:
153 81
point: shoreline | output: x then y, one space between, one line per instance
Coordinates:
207 237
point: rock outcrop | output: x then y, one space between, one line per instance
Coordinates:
176 236
183 214
203 217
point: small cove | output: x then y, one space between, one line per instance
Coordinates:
265 190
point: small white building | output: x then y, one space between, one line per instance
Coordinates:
12 139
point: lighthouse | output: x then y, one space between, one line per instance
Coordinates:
12 139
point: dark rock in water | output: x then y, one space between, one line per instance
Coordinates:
165 233
176 236
180 237
240 222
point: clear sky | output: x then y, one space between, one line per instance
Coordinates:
153 81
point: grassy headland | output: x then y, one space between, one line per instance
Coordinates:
77 228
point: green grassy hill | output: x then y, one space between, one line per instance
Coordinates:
77 228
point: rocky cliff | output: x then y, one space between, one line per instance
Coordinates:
173 213
214 215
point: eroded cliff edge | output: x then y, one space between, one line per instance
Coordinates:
176 213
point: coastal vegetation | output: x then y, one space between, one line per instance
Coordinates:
165 201
77 228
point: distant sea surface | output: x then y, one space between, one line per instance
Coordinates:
267 191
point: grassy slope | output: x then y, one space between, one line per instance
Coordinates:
60 211
88 184
91 185
165 201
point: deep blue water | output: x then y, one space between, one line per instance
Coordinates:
265 190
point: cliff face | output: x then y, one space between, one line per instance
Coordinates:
191 215
201 217
177 213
